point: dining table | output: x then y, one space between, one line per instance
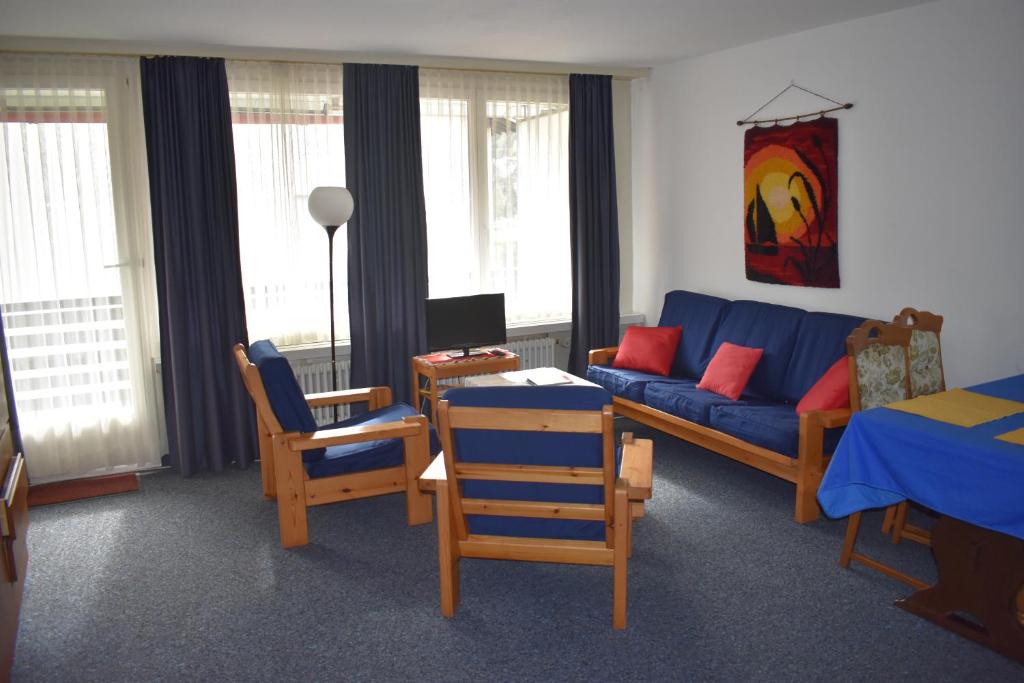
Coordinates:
959 454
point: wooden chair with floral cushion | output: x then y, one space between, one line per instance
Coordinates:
926 373
926 377
879 357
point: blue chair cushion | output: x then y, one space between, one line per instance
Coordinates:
699 315
368 455
820 342
774 426
531 448
628 384
683 399
762 326
283 391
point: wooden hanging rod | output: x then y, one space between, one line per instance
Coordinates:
848 105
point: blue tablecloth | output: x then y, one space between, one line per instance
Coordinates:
886 456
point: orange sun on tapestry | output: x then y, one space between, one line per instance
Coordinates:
789 195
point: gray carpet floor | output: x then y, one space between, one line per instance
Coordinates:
185 580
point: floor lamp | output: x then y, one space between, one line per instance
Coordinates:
331 207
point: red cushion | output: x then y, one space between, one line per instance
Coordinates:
730 370
830 392
648 349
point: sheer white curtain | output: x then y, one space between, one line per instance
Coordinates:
289 138
76 282
496 177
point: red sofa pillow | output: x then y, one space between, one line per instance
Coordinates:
648 349
830 392
730 370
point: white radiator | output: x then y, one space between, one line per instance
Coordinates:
315 376
533 353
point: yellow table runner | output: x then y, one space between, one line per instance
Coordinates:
960 407
1016 436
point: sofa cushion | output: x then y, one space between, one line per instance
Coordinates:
284 393
648 349
627 384
699 316
820 342
774 426
531 448
369 455
683 399
763 326
730 370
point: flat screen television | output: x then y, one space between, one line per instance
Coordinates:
464 322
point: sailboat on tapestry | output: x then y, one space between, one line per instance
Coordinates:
790 215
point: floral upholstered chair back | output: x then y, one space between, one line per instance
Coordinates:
926 373
879 356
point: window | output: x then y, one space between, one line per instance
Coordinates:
289 138
496 180
76 289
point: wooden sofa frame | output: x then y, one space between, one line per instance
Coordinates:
285 478
806 470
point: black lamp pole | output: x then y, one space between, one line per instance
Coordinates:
331 229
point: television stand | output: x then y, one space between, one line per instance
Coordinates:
428 372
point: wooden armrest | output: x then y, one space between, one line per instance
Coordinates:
829 419
637 466
434 473
602 356
409 426
345 396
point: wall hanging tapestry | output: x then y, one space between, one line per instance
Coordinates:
789 198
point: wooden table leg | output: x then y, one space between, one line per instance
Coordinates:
980 575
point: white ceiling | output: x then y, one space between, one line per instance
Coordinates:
586 32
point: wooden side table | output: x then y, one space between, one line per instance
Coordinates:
427 371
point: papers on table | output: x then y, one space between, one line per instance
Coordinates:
960 407
547 377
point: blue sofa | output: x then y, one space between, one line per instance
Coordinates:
762 428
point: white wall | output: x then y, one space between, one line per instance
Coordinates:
931 172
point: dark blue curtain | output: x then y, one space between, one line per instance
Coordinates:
210 419
593 218
387 234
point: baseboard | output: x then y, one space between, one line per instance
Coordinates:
77 489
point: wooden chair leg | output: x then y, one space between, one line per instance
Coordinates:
417 458
852 528
620 566
899 521
291 495
267 473
447 552
629 536
890 517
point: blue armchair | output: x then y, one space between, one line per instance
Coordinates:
532 473
378 452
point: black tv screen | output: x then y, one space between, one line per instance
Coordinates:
463 322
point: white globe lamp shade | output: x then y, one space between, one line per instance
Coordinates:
330 206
